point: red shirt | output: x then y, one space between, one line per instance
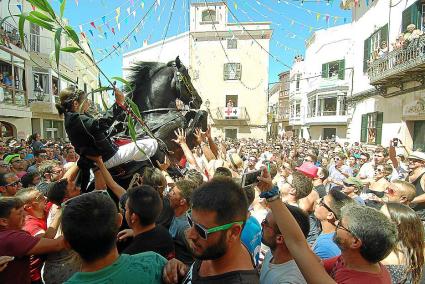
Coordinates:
16 243
34 226
342 275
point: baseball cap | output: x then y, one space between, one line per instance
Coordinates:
356 182
417 156
308 169
10 157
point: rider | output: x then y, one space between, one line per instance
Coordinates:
90 135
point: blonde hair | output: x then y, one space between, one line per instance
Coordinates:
67 96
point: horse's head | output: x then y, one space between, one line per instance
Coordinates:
184 87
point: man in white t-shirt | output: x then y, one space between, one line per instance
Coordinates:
279 265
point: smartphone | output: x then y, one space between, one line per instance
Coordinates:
395 142
250 178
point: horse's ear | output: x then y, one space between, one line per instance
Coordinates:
178 62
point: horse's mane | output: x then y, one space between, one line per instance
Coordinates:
141 74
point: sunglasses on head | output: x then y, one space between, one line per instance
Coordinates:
204 232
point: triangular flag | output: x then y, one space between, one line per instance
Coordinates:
81 28
19 7
129 10
236 5
134 14
91 32
292 22
317 16
99 28
83 34
92 24
345 20
119 44
104 19
143 5
135 39
113 31
107 25
336 19
119 26
106 35
76 2
159 18
126 20
310 29
132 2
159 2
117 19
137 30
327 19
118 10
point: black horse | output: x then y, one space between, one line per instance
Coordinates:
156 87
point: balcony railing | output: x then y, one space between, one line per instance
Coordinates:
231 113
396 62
8 97
37 96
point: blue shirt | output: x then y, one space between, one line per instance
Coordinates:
325 247
251 237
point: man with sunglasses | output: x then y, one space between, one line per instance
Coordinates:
9 184
365 237
327 211
40 156
400 191
219 211
417 178
339 171
50 171
279 265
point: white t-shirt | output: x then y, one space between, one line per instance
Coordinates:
284 273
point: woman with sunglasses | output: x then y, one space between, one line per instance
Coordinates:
406 260
90 135
377 187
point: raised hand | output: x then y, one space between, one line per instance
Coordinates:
180 136
199 135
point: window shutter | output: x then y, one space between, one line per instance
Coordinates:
341 69
238 71
379 121
405 19
416 14
363 132
325 70
383 34
226 72
366 54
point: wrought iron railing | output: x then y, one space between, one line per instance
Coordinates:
224 113
399 60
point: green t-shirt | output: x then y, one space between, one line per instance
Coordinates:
145 267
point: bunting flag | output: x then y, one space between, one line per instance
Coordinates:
19 7
81 28
128 10
92 24
104 19
336 19
317 16
345 20
310 29
292 22
118 10
137 30
142 5
91 32
99 28
132 2
113 30
76 2
106 35
367 2
119 26
135 39
134 14
327 19
117 19
83 35
235 4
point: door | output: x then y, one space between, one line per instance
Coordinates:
231 133
329 133
419 135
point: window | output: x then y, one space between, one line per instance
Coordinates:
55 89
232 43
34 38
297 84
411 15
52 129
231 133
311 106
329 133
334 69
232 71
419 135
327 106
208 16
41 86
371 45
231 101
371 128
6 129
298 109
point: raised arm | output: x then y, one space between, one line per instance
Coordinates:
200 139
181 140
306 260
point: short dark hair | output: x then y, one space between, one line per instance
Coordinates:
145 202
57 191
300 216
222 172
325 173
153 177
27 179
186 187
89 225
302 185
365 154
223 196
39 152
3 178
313 157
250 193
9 203
339 199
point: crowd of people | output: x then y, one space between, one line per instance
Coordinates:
316 212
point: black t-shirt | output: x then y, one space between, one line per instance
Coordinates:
157 240
239 276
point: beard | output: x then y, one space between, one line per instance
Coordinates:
339 242
215 251
271 244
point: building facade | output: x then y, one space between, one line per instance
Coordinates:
278 110
30 82
228 66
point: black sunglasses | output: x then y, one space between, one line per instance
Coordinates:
204 232
322 203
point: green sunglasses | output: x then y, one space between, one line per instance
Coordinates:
204 232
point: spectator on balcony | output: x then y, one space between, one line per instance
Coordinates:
4 38
383 49
6 79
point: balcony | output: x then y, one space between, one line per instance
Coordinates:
323 84
41 102
230 115
399 65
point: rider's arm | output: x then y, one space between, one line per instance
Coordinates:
115 187
111 115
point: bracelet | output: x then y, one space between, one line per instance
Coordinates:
273 198
274 191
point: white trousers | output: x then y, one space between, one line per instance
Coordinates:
131 152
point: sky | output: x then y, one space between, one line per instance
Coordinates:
152 20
